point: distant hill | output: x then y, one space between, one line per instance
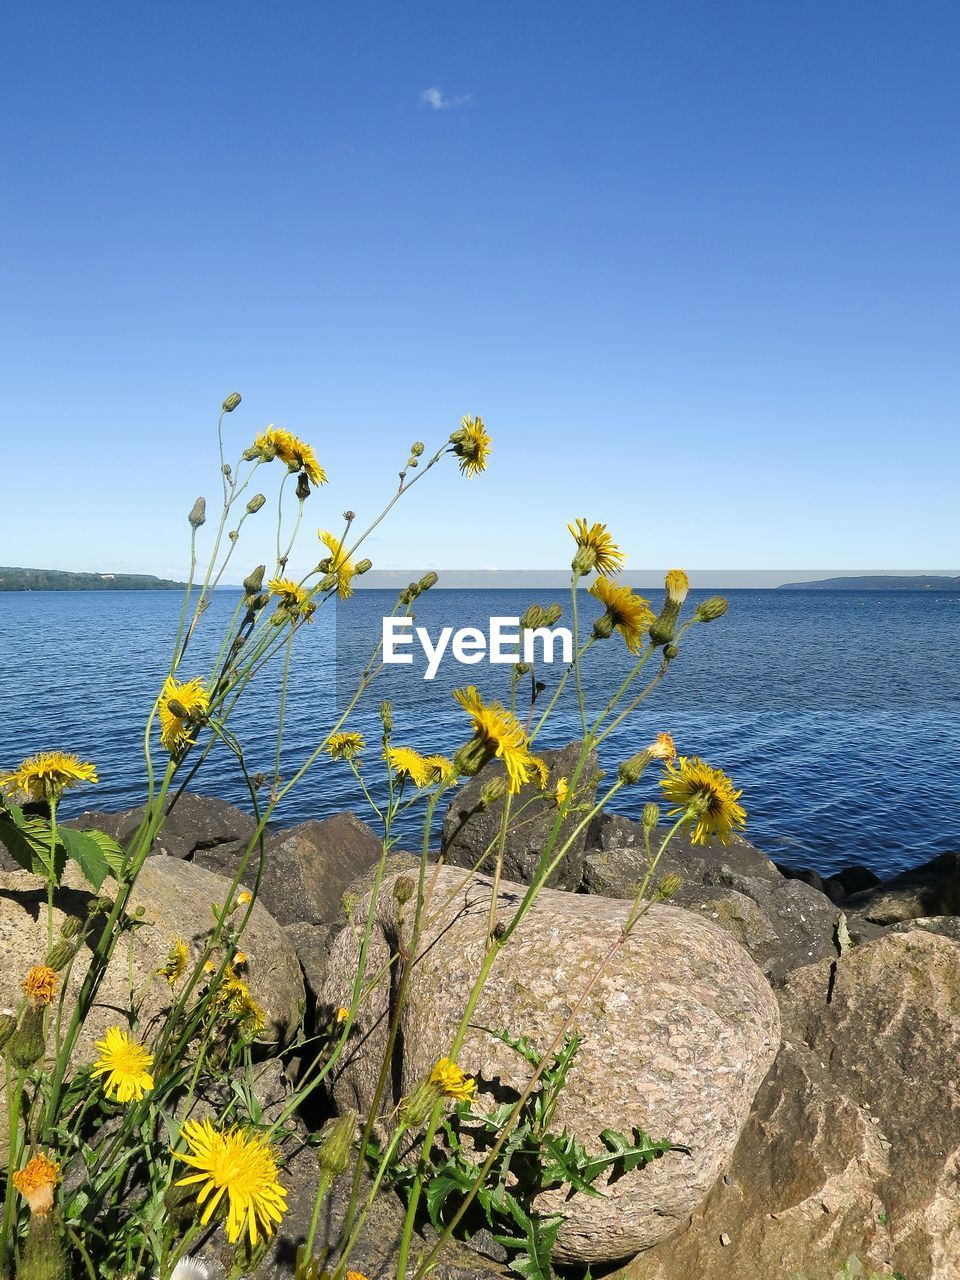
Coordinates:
58 580
876 582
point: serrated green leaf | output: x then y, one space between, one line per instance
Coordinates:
28 841
87 854
113 854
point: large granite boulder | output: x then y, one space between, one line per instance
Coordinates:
194 824
471 829
783 923
678 1032
853 1144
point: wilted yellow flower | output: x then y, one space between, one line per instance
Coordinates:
296 453
192 700
596 549
497 733
471 444
409 764
677 585
126 1064
663 748
343 568
240 1166
177 961
40 985
707 796
36 1182
47 775
630 614
292 596
244 898
452 1082
561 791
344 746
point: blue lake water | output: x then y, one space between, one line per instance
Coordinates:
838 713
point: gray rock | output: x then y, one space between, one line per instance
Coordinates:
308 868
782 923
470 831
677 1034
193 823
853 1143
932 889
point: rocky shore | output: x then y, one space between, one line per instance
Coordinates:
799 1036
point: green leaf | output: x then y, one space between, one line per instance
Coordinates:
87 854
27 840
113 854
522 1044
438 1188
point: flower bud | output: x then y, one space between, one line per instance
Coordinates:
552 614
43 1256
71 927
198 513
362 566
493 791
603 627
522 668
631 771
233 535
231 402
651 815
668 887
670 651
428 580
328 582
386 716
403 889
26 1045
303 486
254 581
416 449
677 585
710 610
176 708
255 503
336 1143
60 955
532 618
227 470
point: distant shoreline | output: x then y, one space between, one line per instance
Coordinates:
12 579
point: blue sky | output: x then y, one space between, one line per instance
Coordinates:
695 264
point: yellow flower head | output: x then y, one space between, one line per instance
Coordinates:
471 444
177 961
343 1013
447 1077
541 769
630 614
234 997
677 585
292 596
409 764
244 898
441 769
356 1275
182 706
707 796
341 566
240 1166
562 791
126 1064
40 985
344 746
240 959
36 1182
47 775
595 549
276 442
497 733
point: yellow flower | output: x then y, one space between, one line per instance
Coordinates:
344 746
562 791
471 444
409 764
342 566
356 1275
244 898
343 1013
190 699
452 1082
497 733
36 1182
40 985
296 453
292 596
707 796
677 585
596 549
234 996
241 1166
441 769
629 613
47 775
177 961
125 1063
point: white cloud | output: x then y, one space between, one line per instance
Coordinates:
434 98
